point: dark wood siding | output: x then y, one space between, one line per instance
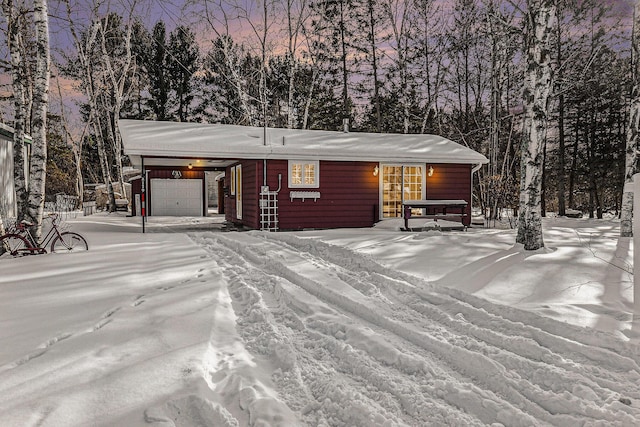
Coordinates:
450 181
251 171
348 196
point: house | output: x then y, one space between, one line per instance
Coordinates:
8 207
294 179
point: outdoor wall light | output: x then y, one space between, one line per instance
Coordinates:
430 170
190 166
375 171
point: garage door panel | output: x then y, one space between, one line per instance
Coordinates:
176 197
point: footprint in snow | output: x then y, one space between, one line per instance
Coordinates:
101 324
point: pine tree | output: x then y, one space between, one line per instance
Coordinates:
182 64
156 66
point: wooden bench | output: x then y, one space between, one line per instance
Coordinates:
436 209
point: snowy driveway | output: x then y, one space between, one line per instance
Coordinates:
227 329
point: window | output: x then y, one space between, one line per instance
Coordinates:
304 174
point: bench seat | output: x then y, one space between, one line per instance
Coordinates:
449 209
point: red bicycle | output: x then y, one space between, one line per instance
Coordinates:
19 241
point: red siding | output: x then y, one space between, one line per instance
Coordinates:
349 194
348 197
251 170
450 181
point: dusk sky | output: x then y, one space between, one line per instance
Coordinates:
175 13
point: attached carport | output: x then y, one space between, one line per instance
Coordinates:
173 186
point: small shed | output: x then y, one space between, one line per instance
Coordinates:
291 179
7 181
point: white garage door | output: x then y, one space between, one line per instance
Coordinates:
176 197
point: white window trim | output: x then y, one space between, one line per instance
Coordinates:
232 183
238 171
316 168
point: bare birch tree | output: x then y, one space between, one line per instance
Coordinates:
38 166
537 87
31 189
632 160
14 17
117 75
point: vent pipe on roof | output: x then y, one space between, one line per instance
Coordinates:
345 124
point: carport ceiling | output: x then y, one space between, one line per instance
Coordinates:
184 162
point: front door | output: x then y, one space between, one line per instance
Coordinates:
399 183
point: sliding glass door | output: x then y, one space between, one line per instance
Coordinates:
399 183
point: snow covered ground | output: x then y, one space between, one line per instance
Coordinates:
369 327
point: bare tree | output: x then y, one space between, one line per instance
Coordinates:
430 53
220 15
297 12
398 13
15 17
117 76
538 83
30 191
74 141
632 161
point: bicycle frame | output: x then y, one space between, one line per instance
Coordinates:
53 232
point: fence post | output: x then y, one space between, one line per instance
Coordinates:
636 241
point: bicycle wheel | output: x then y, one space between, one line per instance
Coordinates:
69 242
13 245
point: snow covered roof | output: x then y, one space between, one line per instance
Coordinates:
218 141
6 133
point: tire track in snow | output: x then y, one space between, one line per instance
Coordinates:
332 395
477 400
572 344
546 398
581 343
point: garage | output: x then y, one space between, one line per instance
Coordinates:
176 197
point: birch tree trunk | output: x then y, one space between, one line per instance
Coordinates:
118 89
38 169
18 78
632 160
537 87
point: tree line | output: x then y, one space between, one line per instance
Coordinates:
458 69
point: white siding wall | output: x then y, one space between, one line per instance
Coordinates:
7 190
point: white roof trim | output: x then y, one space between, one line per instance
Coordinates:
216 141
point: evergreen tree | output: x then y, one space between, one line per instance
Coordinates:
182 61
157 70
